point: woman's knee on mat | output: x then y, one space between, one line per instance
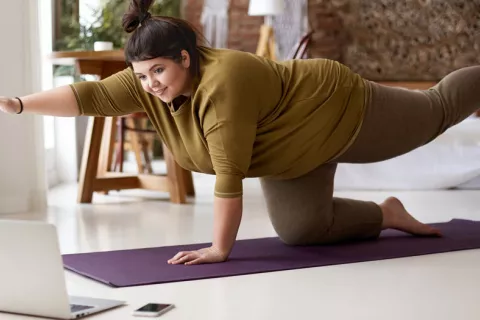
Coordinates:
320 237
301 239
345 220
304 234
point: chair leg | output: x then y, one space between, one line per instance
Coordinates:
134 141
105 158
188 179
120 145
111 150
145 144
146 157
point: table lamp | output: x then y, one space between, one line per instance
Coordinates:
267 8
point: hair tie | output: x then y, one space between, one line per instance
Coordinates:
143 17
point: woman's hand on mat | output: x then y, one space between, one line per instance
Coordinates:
205 255
8 105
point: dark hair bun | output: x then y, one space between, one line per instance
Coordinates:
137 13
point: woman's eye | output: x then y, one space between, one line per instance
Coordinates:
142 78
159 70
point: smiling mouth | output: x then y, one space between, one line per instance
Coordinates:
160 92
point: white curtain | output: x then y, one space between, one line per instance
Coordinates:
215 22
291 26
22 170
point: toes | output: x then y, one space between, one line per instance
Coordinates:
401 219
426 230
437 232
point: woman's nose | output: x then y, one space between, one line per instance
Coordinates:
154 83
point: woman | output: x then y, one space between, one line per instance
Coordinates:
237 115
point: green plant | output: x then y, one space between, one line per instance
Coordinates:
106 26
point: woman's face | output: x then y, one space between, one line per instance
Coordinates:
165 78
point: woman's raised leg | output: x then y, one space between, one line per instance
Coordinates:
399 120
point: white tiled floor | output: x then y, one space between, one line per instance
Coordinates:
443 286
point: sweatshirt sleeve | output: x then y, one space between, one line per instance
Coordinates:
230 125
116 95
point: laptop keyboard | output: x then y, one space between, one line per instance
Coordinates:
77 307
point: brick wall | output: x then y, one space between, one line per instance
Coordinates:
329 35
243 29
192 11
345 31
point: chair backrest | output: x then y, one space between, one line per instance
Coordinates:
299 51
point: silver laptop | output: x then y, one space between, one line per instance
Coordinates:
32 279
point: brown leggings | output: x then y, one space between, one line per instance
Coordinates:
303 210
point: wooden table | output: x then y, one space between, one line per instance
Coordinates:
95 171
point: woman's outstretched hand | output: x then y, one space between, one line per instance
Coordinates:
8 105
205 255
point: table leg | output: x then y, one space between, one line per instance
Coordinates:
88 169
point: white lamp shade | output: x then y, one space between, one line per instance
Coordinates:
266 7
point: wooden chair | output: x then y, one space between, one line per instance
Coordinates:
141 147
299 51
140 141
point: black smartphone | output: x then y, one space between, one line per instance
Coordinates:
153 309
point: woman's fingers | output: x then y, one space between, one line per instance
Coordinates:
178 256
183 257
196 261
205 255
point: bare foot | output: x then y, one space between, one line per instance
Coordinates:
395 216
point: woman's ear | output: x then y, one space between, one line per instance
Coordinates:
185 59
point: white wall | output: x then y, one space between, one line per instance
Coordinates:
22 174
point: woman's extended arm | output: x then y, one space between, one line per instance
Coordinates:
117 95
58 102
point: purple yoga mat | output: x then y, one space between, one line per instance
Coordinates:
149 265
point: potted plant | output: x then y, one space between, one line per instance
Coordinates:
106 26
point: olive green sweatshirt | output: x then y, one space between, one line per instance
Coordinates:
247 116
